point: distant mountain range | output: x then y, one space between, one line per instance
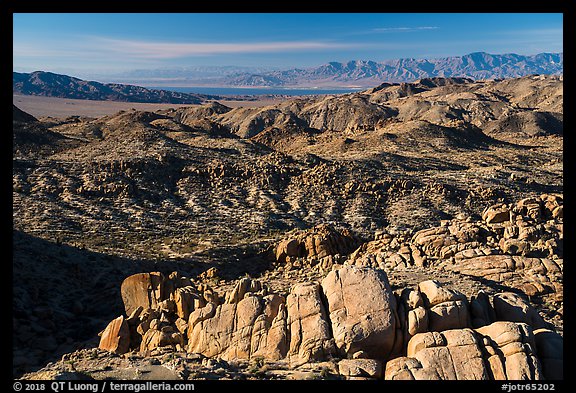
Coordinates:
479 65
40 83
355 73
360 73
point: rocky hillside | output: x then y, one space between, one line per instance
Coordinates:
479 65
48 84
260 211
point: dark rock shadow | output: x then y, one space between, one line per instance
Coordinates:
63 296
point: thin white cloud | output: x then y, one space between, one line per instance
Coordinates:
172 50
403 29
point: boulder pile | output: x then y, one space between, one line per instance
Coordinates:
520 244
351 316
322 246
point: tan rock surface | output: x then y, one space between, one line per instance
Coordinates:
514 343
533 275
144 289
360 368
496 214
116 337
449 355
187 300
502 350
310 332
362 311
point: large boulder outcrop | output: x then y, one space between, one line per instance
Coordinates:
116 337
512 345
425 332
544 207
249 323
388 251
318 242
362 310
310 333
500 351
430 307
448 239
449 355
448 309
142 289
531 275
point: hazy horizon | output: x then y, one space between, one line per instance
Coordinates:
200 76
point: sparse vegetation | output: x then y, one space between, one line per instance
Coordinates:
401 178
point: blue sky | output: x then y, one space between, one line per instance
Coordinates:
89 44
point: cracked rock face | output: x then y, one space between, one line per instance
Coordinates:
145 289
502 350
362 311
352 312
310 335
513 344
116 336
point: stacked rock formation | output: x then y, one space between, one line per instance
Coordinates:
322 246
500 351
521 244
427 332
250 321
